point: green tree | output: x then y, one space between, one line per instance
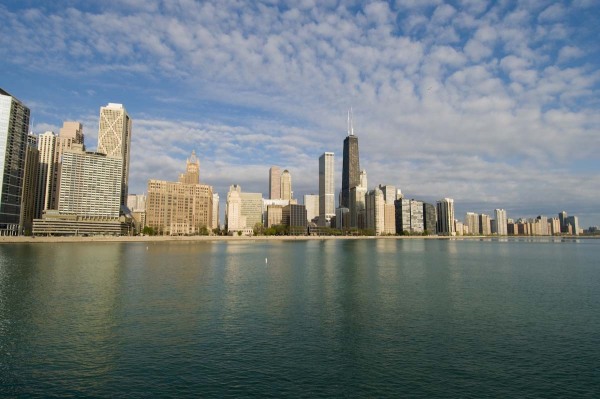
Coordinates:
148 231
259 229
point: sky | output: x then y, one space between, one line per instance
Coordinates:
492 103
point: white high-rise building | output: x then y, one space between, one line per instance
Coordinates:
69 137
472 223
114 139
90 185
501 222
389 193
445 212
286 185
136 202
215 211
375 211
233 212
311 202
326 188
485 225
14 126
274 182
46 182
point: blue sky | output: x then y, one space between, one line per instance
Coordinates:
494 104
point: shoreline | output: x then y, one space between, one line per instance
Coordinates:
74 239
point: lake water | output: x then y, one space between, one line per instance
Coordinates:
330 318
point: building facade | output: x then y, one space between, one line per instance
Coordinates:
46 185
114 139
375 211
14 125
274 182
472 223
30 174
184 207
311 202
294 216
350 166
429 218
90 185
216 222
286 185
234 220
326 188
445 212
501 222
485 225
252 208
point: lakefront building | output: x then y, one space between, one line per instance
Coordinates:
14 126
326 189
184 207
89 201
350 164
274 182
445 217
29 186
286 185
114 139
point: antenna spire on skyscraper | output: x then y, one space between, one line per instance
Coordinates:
350 123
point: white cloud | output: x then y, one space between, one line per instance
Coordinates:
569 53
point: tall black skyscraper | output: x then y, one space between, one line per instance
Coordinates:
351 166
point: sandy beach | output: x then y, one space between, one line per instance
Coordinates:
43 239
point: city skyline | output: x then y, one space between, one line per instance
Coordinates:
495 107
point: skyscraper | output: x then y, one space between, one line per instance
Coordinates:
215 212
311 202
70 136
562 217
114 139
472 223
30 174
90 185
357 202
14 125
375 211
46 176
429 218
445 212
350 164
183 207
274 182
234 220
501 222
389 193
326 188
286 185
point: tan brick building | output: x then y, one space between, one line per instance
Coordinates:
180 208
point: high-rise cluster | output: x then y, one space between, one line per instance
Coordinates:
52 185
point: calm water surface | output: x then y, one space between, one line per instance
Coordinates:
333 318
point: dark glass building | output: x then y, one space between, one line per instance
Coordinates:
429 218
294 216
350 169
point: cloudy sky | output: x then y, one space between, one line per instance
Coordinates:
492 103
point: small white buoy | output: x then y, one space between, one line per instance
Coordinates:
266 260
146 248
